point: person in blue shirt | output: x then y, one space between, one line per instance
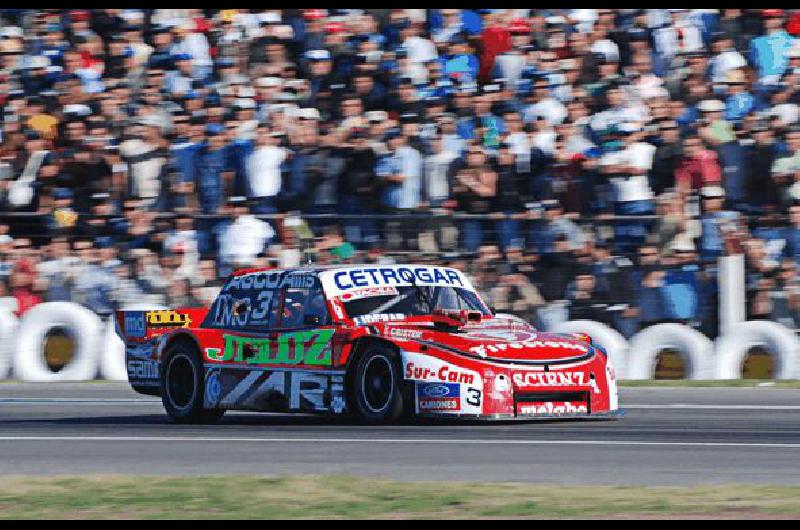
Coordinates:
460 63
681 287
769 52
491 126
739 102
714 221
401 172
183 148
792 247
213 169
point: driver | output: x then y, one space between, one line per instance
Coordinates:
317 307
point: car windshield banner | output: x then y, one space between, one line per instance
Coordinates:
338 282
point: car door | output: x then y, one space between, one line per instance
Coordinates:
304 329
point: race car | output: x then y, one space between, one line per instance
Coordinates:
380 342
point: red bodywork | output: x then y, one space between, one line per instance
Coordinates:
460 363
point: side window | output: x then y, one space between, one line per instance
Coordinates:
244 309
263 311
304 307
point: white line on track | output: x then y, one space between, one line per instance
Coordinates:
390 441
140 401
712 407
76 401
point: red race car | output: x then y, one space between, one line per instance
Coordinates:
376 341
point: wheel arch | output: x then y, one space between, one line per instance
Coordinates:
181 337
360 346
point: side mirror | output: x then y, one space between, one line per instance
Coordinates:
492 310
312 320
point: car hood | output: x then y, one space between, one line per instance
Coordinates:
496 339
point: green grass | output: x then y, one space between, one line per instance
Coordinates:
149 497
735 383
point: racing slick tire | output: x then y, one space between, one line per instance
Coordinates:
183 387
377 386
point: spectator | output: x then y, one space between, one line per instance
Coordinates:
698 167
264 171
537 124
475 187
768 52
244 238
666 157
714 222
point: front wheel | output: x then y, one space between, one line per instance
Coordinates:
182 387
377 385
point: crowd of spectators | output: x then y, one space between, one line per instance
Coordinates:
578 163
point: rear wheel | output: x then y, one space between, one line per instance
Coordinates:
377 386
183 388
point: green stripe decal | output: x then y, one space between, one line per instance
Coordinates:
296 347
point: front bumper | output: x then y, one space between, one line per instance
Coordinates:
452 386
595 416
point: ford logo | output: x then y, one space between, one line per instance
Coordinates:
436 391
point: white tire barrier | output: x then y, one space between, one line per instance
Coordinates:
610 339
645 346
112 361
81 323
775 338
8 324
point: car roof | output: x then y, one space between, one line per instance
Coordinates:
313 268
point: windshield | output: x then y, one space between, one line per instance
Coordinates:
415 300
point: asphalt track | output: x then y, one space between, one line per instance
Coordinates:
669 436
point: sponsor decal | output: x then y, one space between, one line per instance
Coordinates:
341 281
142 369
438 404
168 319
140 349
438 397
551 379
298 347
405 334
225 314
380 317
445 373
366 292
552 407
134 324
338 310
483 349
433 376
270 280
438 390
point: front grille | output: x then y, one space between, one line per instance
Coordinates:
529 397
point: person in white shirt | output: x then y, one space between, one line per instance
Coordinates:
182 241
682 35
627 170
726 59
241 241
420 49
544 105
436 173
263 170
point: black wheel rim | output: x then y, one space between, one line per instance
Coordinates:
180 382
378 383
